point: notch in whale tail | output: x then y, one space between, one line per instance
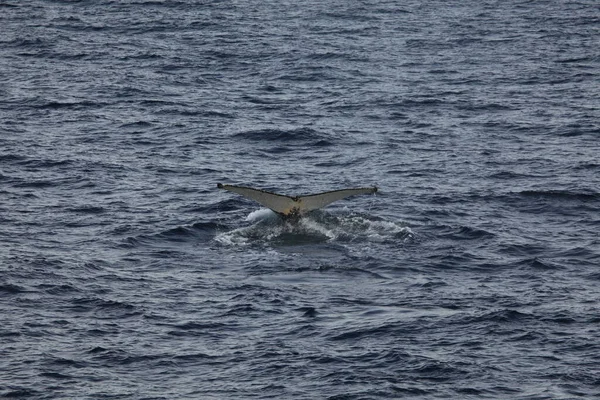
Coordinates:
294 207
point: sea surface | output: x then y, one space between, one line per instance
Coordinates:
473 273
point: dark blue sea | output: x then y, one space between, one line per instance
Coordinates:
473 273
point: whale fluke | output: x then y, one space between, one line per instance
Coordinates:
288 206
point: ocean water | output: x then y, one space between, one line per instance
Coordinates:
474 272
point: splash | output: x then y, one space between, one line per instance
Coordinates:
261 215
267 229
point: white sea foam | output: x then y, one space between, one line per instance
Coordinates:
267 229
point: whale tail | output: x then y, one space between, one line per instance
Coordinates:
290 207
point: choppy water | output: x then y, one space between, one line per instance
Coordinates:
126 274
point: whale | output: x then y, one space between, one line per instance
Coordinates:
294 207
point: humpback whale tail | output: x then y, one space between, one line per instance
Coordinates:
293 207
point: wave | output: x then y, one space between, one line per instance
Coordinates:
536 263
198 232
195 231
104 308
10 289
465 233
282 135
509 175
87 209
561 194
